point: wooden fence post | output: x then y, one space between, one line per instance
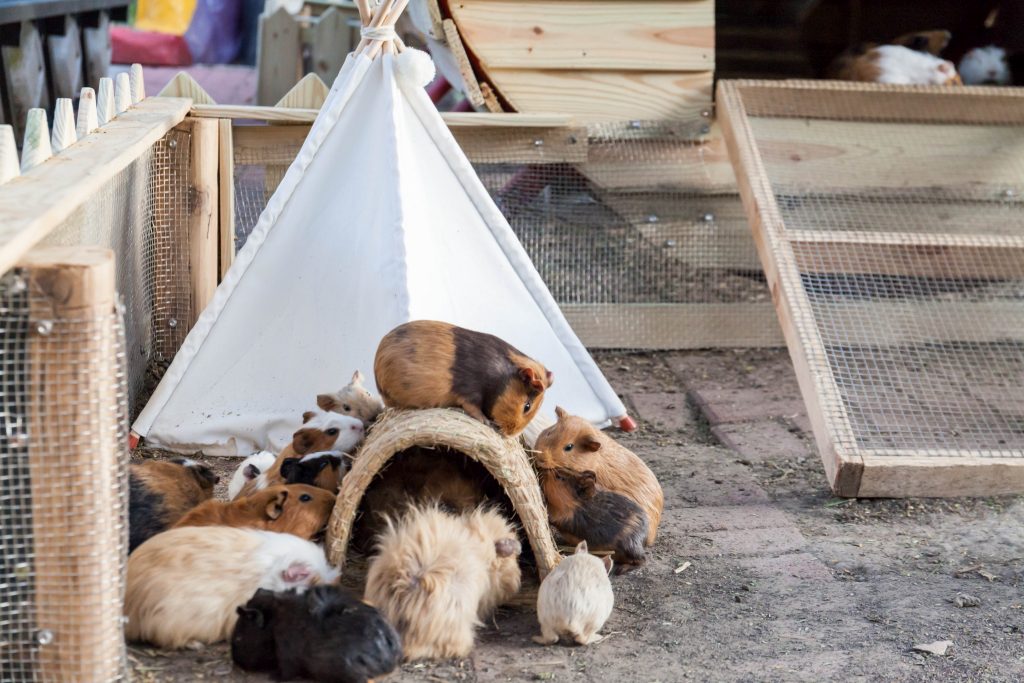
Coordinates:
227 196
25 70
279 56
96 38
66 58
204 212
76 439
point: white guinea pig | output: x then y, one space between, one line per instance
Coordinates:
985 65
575 599
250 469
185 584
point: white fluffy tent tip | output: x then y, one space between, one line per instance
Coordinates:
379 220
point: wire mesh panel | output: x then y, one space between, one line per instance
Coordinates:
891 220
636 228
63 472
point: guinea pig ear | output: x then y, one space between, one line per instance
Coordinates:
561 413
276 506
581 548
254 614
297 573
590 443
608 563
325 402
251 471
308 415
288 467
357 378
531 379
586 484
303 441
508 547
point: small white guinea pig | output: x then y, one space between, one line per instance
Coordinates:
575 599
252 467
985 66
185 584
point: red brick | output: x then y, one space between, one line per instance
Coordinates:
763 440
745 405
667 412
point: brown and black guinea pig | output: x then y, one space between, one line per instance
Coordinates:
160 492
574 443
431 364
294 509
323 470
581 511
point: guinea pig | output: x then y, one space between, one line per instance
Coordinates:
574 443
605 520
430 364
575 599
325 634
160 492
324 470
985 66
249 469
185 584
894 64
353 400
931 42
296 509
321 431
436 575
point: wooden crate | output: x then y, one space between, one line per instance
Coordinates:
890 225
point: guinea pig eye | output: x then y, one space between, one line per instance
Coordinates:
333 431
526 408
568 447
346 407
305 497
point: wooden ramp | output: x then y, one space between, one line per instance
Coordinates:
890 224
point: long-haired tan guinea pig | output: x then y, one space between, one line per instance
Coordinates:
605 520
160 492
574 443
353 400
575 599
292 509
185 584
436 575
430 364
321 430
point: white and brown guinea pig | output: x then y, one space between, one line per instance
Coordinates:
249 469
353 400
185 584
294 509
160 492
575 599
575 444
985 66
894 64
321 430
437 575
430 364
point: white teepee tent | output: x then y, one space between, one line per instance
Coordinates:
379 220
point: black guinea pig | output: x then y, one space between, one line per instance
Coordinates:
325 634
324 470
605 520
160 492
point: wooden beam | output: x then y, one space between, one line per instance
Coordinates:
203 233
226 175
458 50
572 34
933 476
183 85
453 119
32 205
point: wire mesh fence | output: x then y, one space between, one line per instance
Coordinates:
632 227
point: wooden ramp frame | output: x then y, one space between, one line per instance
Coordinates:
890 226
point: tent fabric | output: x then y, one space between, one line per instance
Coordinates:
379 220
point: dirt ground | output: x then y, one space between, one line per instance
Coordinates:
759 574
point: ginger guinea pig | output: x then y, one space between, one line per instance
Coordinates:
430 364
321 431
605 520
574 443
160 492
353 400
436 575
185 584
296 509
323 470
575 599
325 634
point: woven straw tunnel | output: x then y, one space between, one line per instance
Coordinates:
505 459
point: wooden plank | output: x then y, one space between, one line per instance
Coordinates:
73 373
674 326
279 56
32 205
458 50
203 234
606 95
309 93
226 175
931 476
98 49
825 407
453 119
25 75
183 85
66 59
575 34
332 41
